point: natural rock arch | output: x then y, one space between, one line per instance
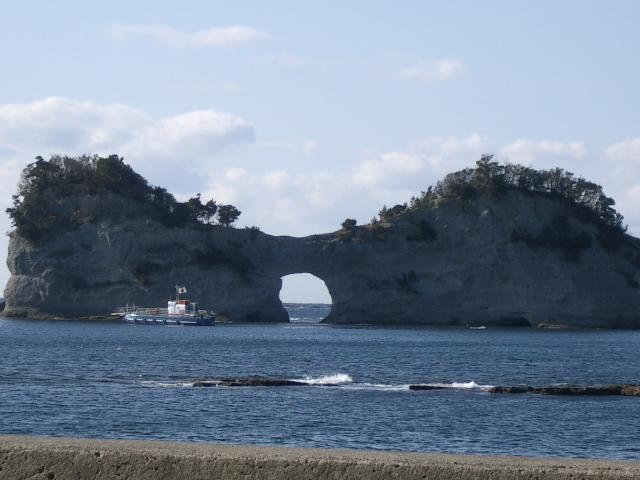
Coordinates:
305 288
510 259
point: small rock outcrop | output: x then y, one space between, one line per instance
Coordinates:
481 248
572 390
250 382
511 389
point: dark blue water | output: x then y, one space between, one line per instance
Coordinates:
111 380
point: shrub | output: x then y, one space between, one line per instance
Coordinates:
253 232
349 224
227 214
387 213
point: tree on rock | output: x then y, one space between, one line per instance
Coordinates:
349 224
227 214
210 209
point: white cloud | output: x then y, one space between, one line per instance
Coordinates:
544 153
625 151
394 176
373 171
280 201
431 156
168 35
61 125
57 123
442 70
200 132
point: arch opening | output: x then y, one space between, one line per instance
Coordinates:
305 297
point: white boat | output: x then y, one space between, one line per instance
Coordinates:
178 312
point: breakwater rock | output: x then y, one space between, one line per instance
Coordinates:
420 386
569 390
250 382
512 258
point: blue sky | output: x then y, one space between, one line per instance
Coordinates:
303 113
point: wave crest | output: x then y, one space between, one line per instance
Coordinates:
460 385
153 383
332 379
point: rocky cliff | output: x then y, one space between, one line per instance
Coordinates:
515 258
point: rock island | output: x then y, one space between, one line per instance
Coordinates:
494 245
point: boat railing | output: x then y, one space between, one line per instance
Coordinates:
157 311
127 309
143 311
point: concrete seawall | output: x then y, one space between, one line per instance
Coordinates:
65 458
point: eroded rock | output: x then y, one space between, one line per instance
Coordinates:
455 264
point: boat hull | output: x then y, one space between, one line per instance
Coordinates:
185 320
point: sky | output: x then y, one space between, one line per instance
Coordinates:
305 113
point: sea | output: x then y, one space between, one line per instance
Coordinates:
114 380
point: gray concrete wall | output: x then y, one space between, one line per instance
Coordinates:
64 458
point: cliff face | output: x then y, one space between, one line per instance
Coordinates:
517 260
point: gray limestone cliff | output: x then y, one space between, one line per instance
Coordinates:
513 259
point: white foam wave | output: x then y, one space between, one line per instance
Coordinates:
461 385
333 379
152 383
341 380
381 387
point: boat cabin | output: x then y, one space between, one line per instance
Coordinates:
181 307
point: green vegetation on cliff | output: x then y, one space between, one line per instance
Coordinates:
495 178
64 192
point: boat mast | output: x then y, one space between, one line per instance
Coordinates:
177 293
